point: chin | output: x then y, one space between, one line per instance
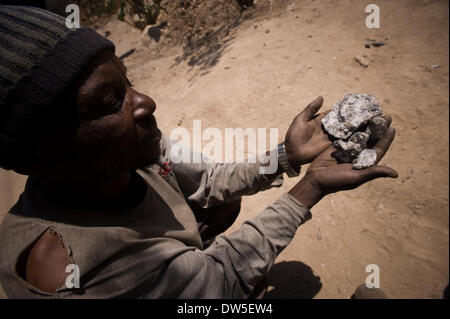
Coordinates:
150 148
150 156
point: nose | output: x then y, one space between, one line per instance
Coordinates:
144 107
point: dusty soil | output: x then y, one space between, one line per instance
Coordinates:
265 71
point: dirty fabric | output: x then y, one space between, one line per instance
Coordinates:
155 250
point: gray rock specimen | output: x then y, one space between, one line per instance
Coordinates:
356 122
365 159
351 148
350 113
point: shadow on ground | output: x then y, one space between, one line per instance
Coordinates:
206 51
293 280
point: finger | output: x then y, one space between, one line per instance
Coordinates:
311 109
376 171
388 119
383 144
378 129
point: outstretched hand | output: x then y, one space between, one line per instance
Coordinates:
305 138
325 175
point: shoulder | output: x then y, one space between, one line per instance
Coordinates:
46 262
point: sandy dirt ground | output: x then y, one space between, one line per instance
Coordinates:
265 72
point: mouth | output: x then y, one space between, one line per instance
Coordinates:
153 134
152 137
149 147
156 135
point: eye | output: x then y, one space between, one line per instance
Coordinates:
117 106
120 100
117 99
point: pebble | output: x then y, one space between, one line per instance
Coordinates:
362 61
365 159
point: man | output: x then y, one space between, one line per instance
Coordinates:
103 197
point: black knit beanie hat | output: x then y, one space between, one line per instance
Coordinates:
39 58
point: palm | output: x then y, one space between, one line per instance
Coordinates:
332 176
305 138
311 141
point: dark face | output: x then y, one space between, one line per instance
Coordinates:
117 131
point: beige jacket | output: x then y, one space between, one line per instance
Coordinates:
154 250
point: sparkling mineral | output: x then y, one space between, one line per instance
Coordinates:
365 159
356 123
350 114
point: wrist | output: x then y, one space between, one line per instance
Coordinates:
286 163
294 162
296 165
307 192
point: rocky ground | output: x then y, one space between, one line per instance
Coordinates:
264 71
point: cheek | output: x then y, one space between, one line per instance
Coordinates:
111 137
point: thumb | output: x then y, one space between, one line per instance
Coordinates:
312 108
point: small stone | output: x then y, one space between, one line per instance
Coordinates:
151 33
365 159
362 61
291 7
349 114
138 21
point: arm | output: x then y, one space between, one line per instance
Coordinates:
210 184
234 263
